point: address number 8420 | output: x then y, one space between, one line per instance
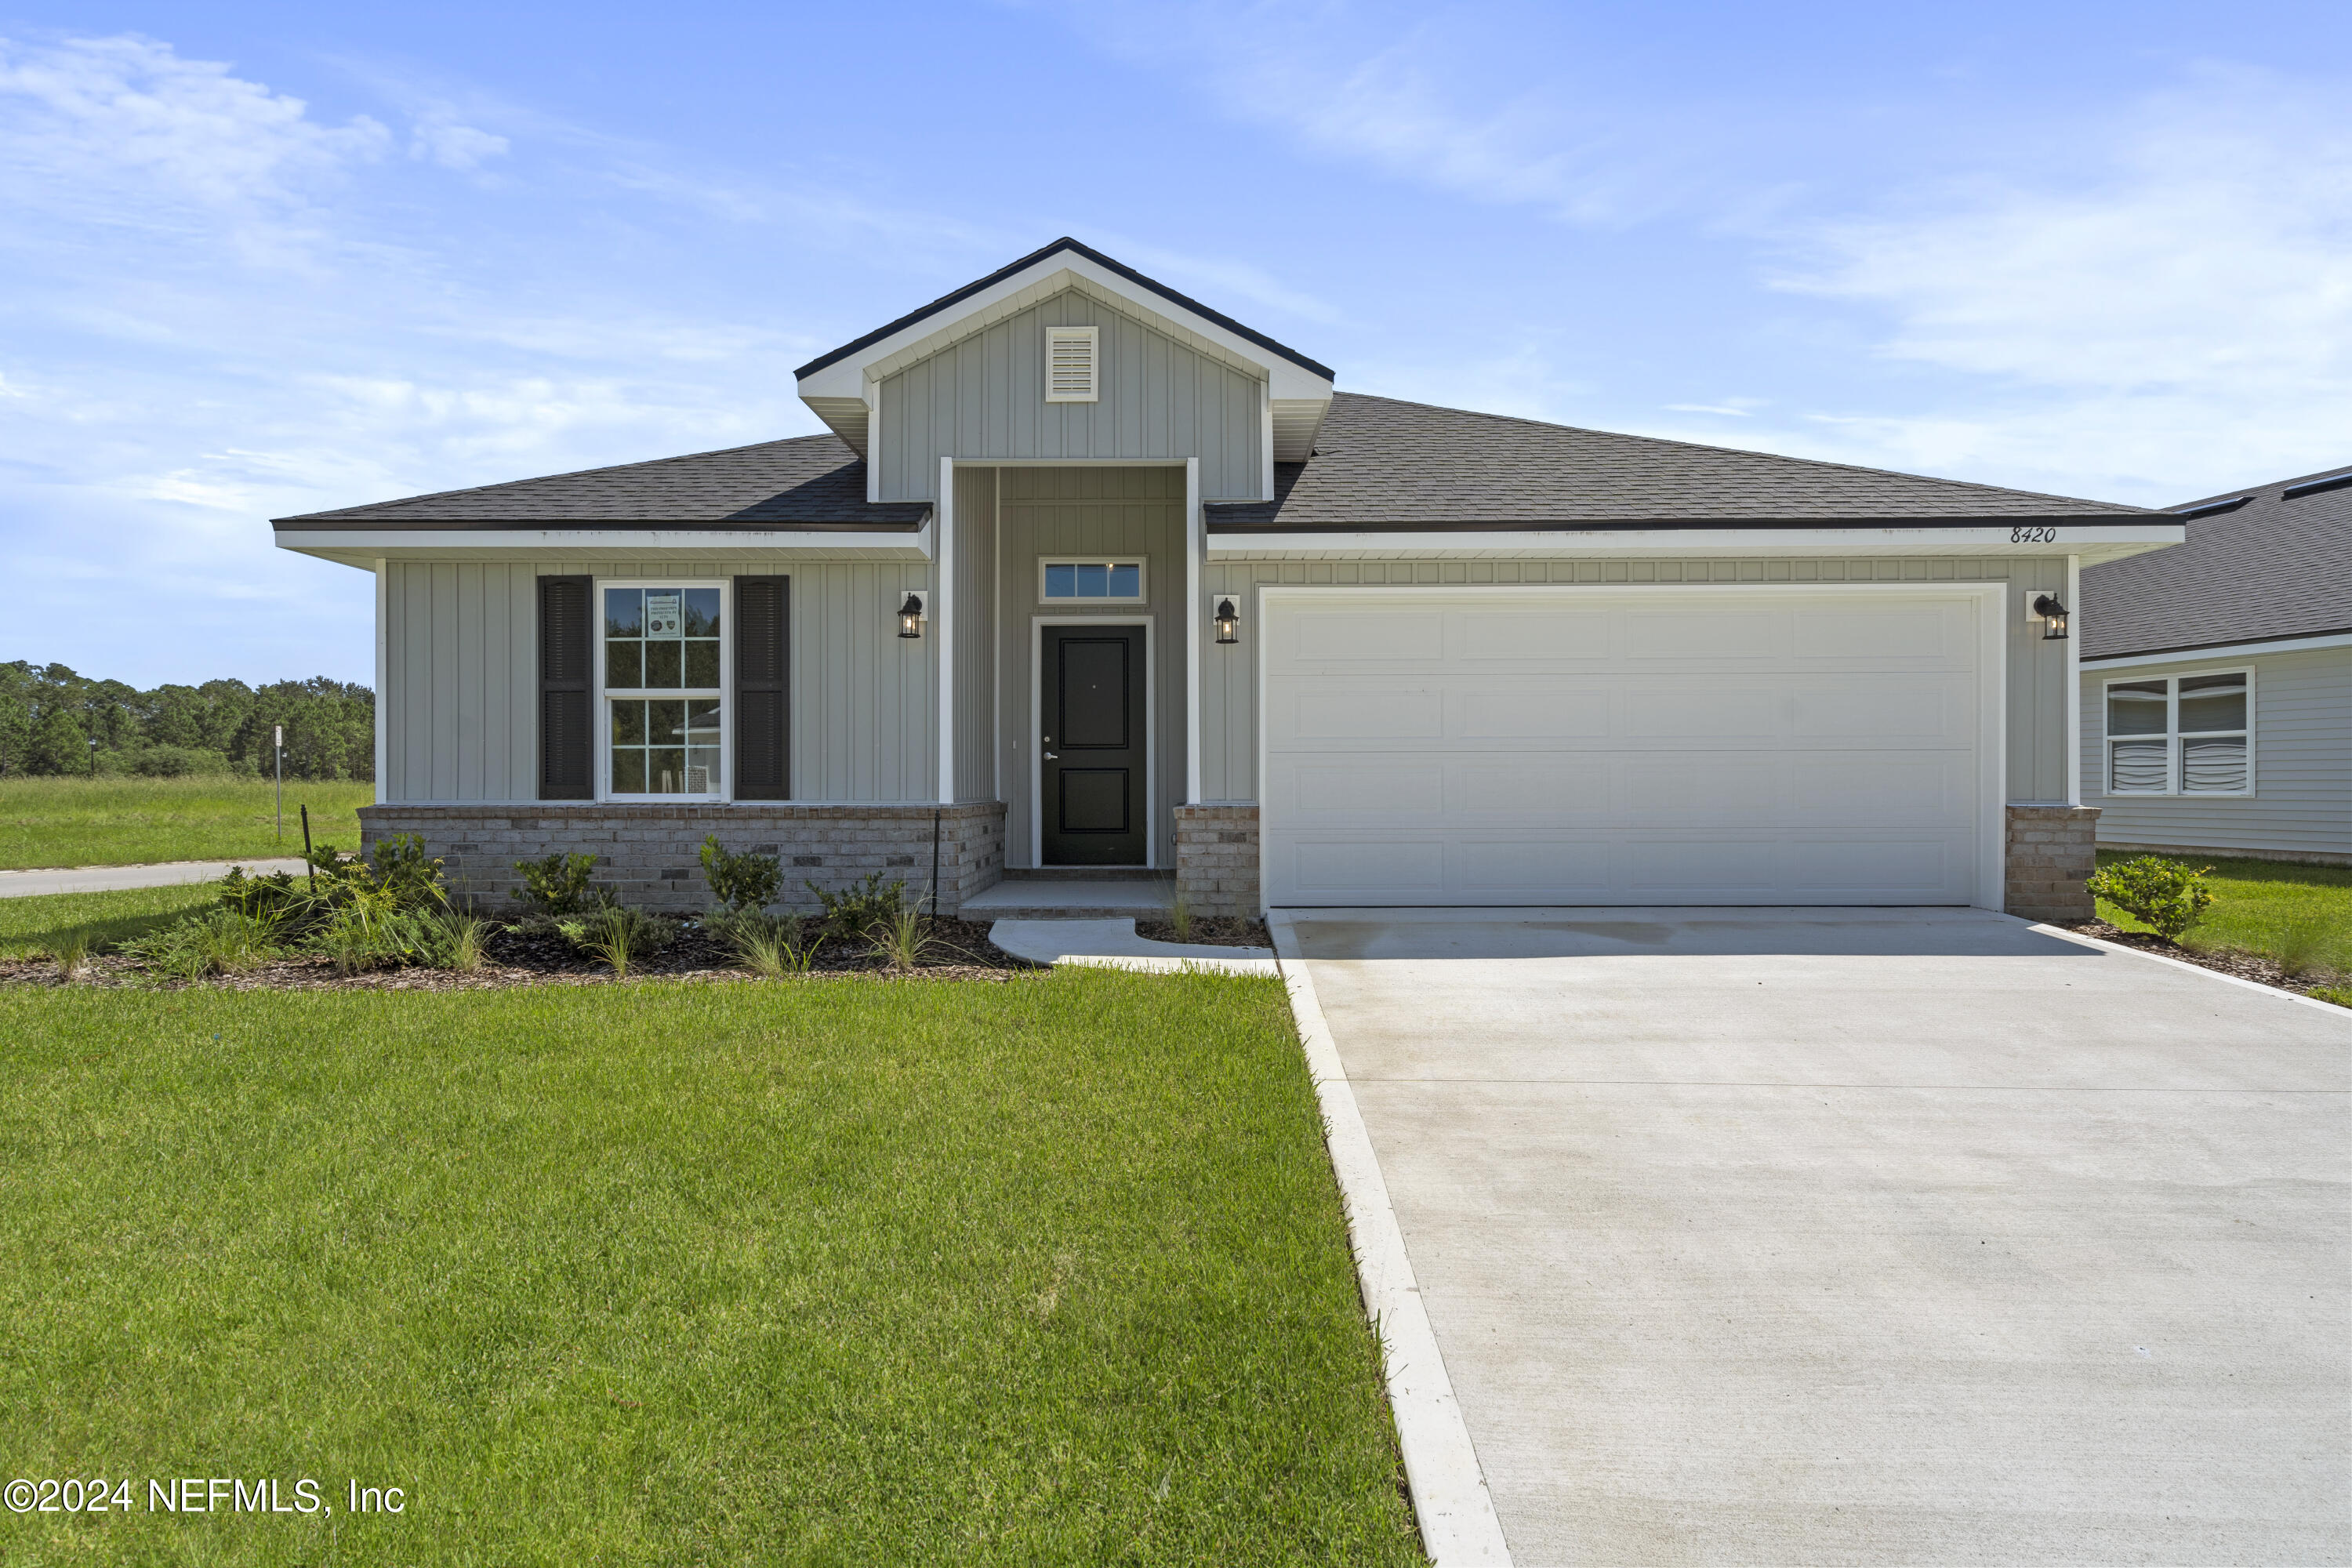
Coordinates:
2033 536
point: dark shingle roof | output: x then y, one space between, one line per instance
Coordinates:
2279 567
808 481
1380 463
1065 243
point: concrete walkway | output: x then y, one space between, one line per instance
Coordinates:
1861 1236
1113 944
109 878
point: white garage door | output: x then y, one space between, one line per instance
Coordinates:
1598 746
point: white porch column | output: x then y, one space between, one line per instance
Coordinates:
1196 546
943 627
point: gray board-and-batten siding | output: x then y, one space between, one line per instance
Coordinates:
2302 761
984 398
461 680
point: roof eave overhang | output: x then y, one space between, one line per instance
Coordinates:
361 546
2243 648
2089 540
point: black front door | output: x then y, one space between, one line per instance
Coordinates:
1092 745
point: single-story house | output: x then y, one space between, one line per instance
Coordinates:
1086 575
2217 680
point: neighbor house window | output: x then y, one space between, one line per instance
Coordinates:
664 686
1092 581
2187 734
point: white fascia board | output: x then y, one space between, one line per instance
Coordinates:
2088 543
631 543
2235 652
846 377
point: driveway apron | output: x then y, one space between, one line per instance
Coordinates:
1863 1235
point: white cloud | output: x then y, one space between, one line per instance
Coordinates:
2176 314
454 146
1414 93
130 110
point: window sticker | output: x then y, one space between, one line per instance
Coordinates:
663 616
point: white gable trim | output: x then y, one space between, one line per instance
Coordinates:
2224 651
848 376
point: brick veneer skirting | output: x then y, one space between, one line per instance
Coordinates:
1216 859
650 854
2051 850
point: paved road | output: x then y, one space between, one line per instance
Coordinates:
107 878
1884 1236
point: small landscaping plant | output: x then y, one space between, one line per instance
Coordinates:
745 882
772 946
620 936
216 941
2169 896
851 913
71 952
556 886
900 939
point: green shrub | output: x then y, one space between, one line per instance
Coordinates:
556 885
745 882
620 936
2167 896
900 939
853 911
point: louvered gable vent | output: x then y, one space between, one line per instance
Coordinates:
1072 373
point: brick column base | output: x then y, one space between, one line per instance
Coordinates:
1216 860
2051 850
651 855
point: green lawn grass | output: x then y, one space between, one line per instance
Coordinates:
32 927
130 822
2274 908
838 1272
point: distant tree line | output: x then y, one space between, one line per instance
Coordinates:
49 714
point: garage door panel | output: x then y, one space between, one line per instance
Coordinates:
1394 796
1717 749
1530 634
1356 710
1353 636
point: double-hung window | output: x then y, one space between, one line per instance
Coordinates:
2184 734
665 681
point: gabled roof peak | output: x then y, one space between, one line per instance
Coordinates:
1065 245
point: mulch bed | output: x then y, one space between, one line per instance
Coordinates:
1209 933
2228 961
960 951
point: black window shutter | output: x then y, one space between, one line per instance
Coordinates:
762 688
567 672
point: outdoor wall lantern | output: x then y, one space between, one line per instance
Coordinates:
2054 616
910 616
1229 620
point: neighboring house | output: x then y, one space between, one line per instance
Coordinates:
2217 680
1087 575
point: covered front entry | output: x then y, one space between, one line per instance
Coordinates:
1632 745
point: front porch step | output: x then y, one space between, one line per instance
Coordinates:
1026 897
1082 874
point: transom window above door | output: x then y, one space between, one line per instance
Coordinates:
1112 581
2180 735
664 691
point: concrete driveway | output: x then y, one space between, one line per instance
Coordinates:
1863 1235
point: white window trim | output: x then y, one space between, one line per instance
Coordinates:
1092 338
1141 597
725 793
2175 753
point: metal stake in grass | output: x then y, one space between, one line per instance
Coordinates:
306 847
277 745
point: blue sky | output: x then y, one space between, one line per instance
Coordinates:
268 257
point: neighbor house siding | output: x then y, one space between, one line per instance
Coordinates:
2302 803
1087 512
975 621
2037 669
985 398
461 696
